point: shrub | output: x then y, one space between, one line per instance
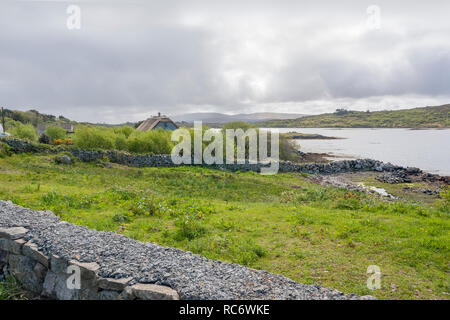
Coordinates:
94 138
55 133
5 150
126 131
24 131
121 142
156 142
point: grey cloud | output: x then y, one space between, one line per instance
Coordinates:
134 58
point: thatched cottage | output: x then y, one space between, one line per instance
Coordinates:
159 121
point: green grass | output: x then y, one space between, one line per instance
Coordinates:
428 117
11 290
282 223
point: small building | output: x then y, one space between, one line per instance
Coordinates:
3 133
157 122
66 126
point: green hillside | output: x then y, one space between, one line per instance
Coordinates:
428 117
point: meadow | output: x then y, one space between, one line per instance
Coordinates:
283 223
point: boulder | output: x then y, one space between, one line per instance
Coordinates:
153 292
28 272
63 160
113 284
13 233
30 249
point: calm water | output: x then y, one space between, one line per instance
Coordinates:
428 149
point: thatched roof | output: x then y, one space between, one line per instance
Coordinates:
152 122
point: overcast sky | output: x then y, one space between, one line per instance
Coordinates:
132 58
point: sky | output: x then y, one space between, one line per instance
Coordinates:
130 59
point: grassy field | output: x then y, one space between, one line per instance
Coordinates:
428 117
284 223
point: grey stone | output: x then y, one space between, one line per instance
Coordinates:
3 256
126 294
55 286
153 292
13 246
58 264
25 271
367 297
13 233
108 295
63 159
88 269
89 294
113 284
49 286
30 249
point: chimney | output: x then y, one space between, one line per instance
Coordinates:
159 114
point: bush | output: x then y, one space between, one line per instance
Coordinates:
156 142
44 138
5 150
124 138
94 138
55 133
24 131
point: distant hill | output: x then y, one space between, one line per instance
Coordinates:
212 117
427 117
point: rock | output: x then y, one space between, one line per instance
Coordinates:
55 287
13 233
88 269
153 292
28 272
49 286
13 246
367 297
113 284
3 256
108 295
126 294
58 264
63 160
30 249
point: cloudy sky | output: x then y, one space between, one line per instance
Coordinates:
133 58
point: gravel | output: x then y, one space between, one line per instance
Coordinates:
192 276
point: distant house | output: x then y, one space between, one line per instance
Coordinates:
159 121
2 132
66 126
40 128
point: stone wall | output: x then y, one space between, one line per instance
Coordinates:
147 160
41 251
49 276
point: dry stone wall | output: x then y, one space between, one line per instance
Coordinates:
51 276
147 160
42 252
